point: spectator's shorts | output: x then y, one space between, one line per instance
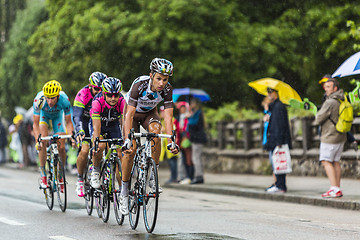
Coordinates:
331 152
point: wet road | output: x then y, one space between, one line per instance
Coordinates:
182 215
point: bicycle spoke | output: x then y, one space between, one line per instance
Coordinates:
134 198
48 192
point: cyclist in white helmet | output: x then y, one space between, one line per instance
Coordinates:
145 94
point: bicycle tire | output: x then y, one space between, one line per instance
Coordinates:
134 197
105 199
116 188
48 192
61 185
89 192
150 198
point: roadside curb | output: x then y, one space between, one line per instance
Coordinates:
287 197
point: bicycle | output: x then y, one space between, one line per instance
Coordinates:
55 172
109 180
144 170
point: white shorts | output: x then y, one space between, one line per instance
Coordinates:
331 152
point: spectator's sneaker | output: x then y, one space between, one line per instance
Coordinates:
95 180
185 181
153 187
354 145
61 181
332 194
80 188
274 189
43 182
124 204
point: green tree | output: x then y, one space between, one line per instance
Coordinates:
17 77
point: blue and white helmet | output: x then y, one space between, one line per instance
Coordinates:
96 78
162 66
111 85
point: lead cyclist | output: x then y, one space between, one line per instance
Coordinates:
145 93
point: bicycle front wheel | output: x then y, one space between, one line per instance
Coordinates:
104 196
89 192
135 198
150 195
61 185
48 192
116 188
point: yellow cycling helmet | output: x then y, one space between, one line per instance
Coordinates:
52 89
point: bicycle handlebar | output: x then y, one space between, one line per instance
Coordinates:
151 135
54 137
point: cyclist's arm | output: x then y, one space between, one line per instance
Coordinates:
77 113
36 128
69 124
129 116
97 127
168 121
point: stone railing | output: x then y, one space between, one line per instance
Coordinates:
238 148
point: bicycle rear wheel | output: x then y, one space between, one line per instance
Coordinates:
151 195
116 188
61 185
89 192
104 196
48 192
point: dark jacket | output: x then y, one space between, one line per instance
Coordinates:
196 127
278 130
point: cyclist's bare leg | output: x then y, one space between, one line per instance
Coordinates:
97 156
82 157
127 162
155 127
118 177
42 153
61 147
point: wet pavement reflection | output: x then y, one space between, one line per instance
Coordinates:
182 236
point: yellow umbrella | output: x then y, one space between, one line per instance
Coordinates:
286 92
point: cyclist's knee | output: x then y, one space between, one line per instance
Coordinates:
155 127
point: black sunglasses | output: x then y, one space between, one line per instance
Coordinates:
111 95
96 88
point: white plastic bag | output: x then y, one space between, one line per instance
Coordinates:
281 160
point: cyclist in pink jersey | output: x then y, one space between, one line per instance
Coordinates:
81 119
106 115
145 94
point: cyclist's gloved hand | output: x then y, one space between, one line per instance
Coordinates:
80 135
127 144
173 150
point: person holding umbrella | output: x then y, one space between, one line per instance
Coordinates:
278 133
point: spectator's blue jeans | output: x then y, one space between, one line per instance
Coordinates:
280 178
173 168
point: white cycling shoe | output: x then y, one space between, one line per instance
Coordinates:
95 180
124 204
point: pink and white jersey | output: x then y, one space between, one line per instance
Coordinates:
83 100
110 115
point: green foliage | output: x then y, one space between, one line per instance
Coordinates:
17 78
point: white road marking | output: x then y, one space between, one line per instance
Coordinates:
11 222
61 238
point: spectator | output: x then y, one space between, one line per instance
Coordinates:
278 134
265 103
349 135
196 129
182 138
3 143
24 130
15 144
331 141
